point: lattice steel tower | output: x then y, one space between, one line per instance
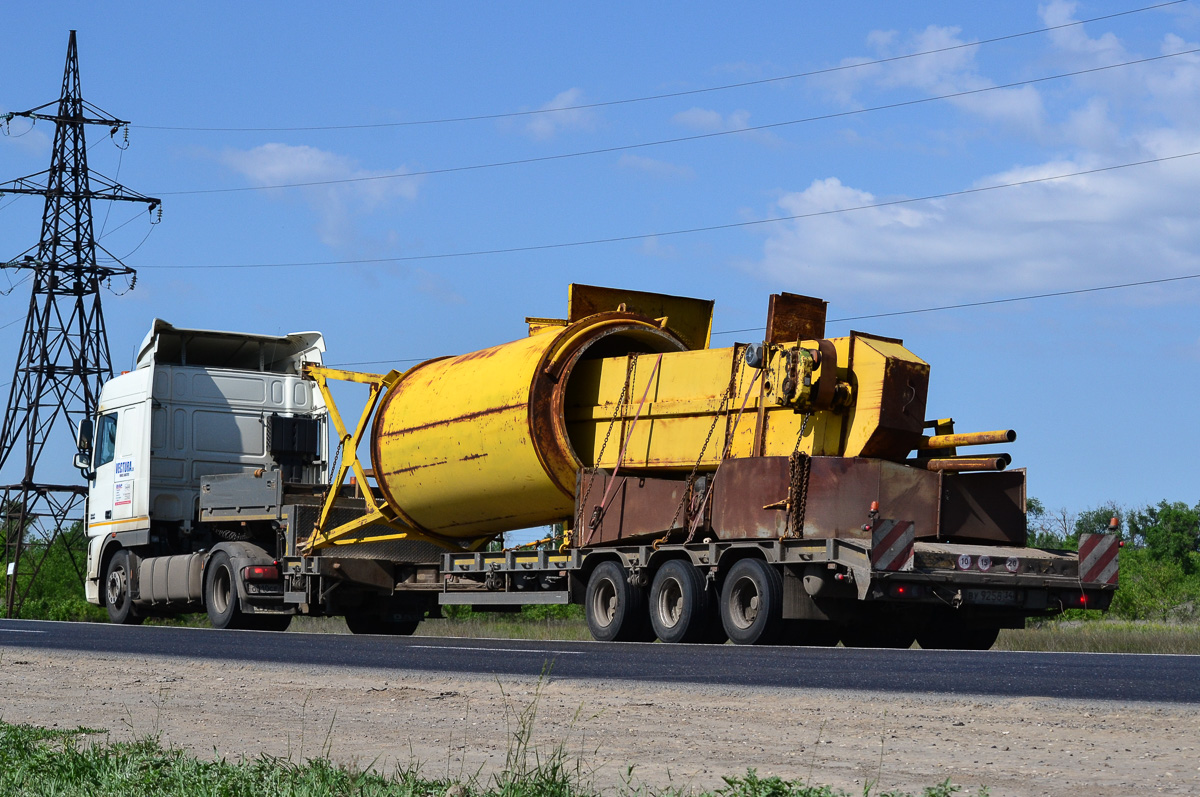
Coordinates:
63 359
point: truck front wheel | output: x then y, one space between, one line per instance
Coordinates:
752 603
616 609
117 596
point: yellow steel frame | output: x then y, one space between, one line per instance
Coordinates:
322 535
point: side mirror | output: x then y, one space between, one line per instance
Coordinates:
84 463
83 438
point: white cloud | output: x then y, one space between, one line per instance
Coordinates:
940 73
544 126
26 135
336 205
712 121
1103 228
654 247
655 167
1106 49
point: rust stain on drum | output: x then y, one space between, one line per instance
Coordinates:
470 416
413 468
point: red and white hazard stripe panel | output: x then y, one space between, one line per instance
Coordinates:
1098 558
892 545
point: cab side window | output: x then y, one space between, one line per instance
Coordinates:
106 439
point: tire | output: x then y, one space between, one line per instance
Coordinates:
220 594
374 624
616 610
679 603
117 597
752 603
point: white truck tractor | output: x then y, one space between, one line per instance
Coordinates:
198 403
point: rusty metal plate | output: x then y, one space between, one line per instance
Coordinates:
638 508
741 490
690 319
792 317
840 492
984 507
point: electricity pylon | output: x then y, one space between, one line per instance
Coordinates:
63 359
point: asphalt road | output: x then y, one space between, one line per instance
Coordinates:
1089 676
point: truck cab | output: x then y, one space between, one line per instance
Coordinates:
198 403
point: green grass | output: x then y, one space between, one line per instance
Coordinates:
1104 636
40 762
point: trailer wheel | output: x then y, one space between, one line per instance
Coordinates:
752 603
679 603
117 596
616 610
220 594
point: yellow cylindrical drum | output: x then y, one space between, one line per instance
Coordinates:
470 446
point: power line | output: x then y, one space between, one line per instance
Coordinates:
665 95
690 230
986 302
962 305
677 139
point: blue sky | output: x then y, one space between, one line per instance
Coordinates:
1100 386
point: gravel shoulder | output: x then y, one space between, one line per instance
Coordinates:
685 736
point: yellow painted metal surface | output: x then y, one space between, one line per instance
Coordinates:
470 446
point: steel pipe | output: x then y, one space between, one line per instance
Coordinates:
990 462
930 442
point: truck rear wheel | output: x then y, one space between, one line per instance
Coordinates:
752 603
616 610
117 596
220 594
679 603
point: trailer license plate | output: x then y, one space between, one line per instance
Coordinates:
993 597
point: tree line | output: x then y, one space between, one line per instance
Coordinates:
1160 562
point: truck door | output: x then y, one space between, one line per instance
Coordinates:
104 453
128 464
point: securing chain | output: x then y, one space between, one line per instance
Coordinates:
722 410
630 376
799 466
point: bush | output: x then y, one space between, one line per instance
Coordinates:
57 591
1152 588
